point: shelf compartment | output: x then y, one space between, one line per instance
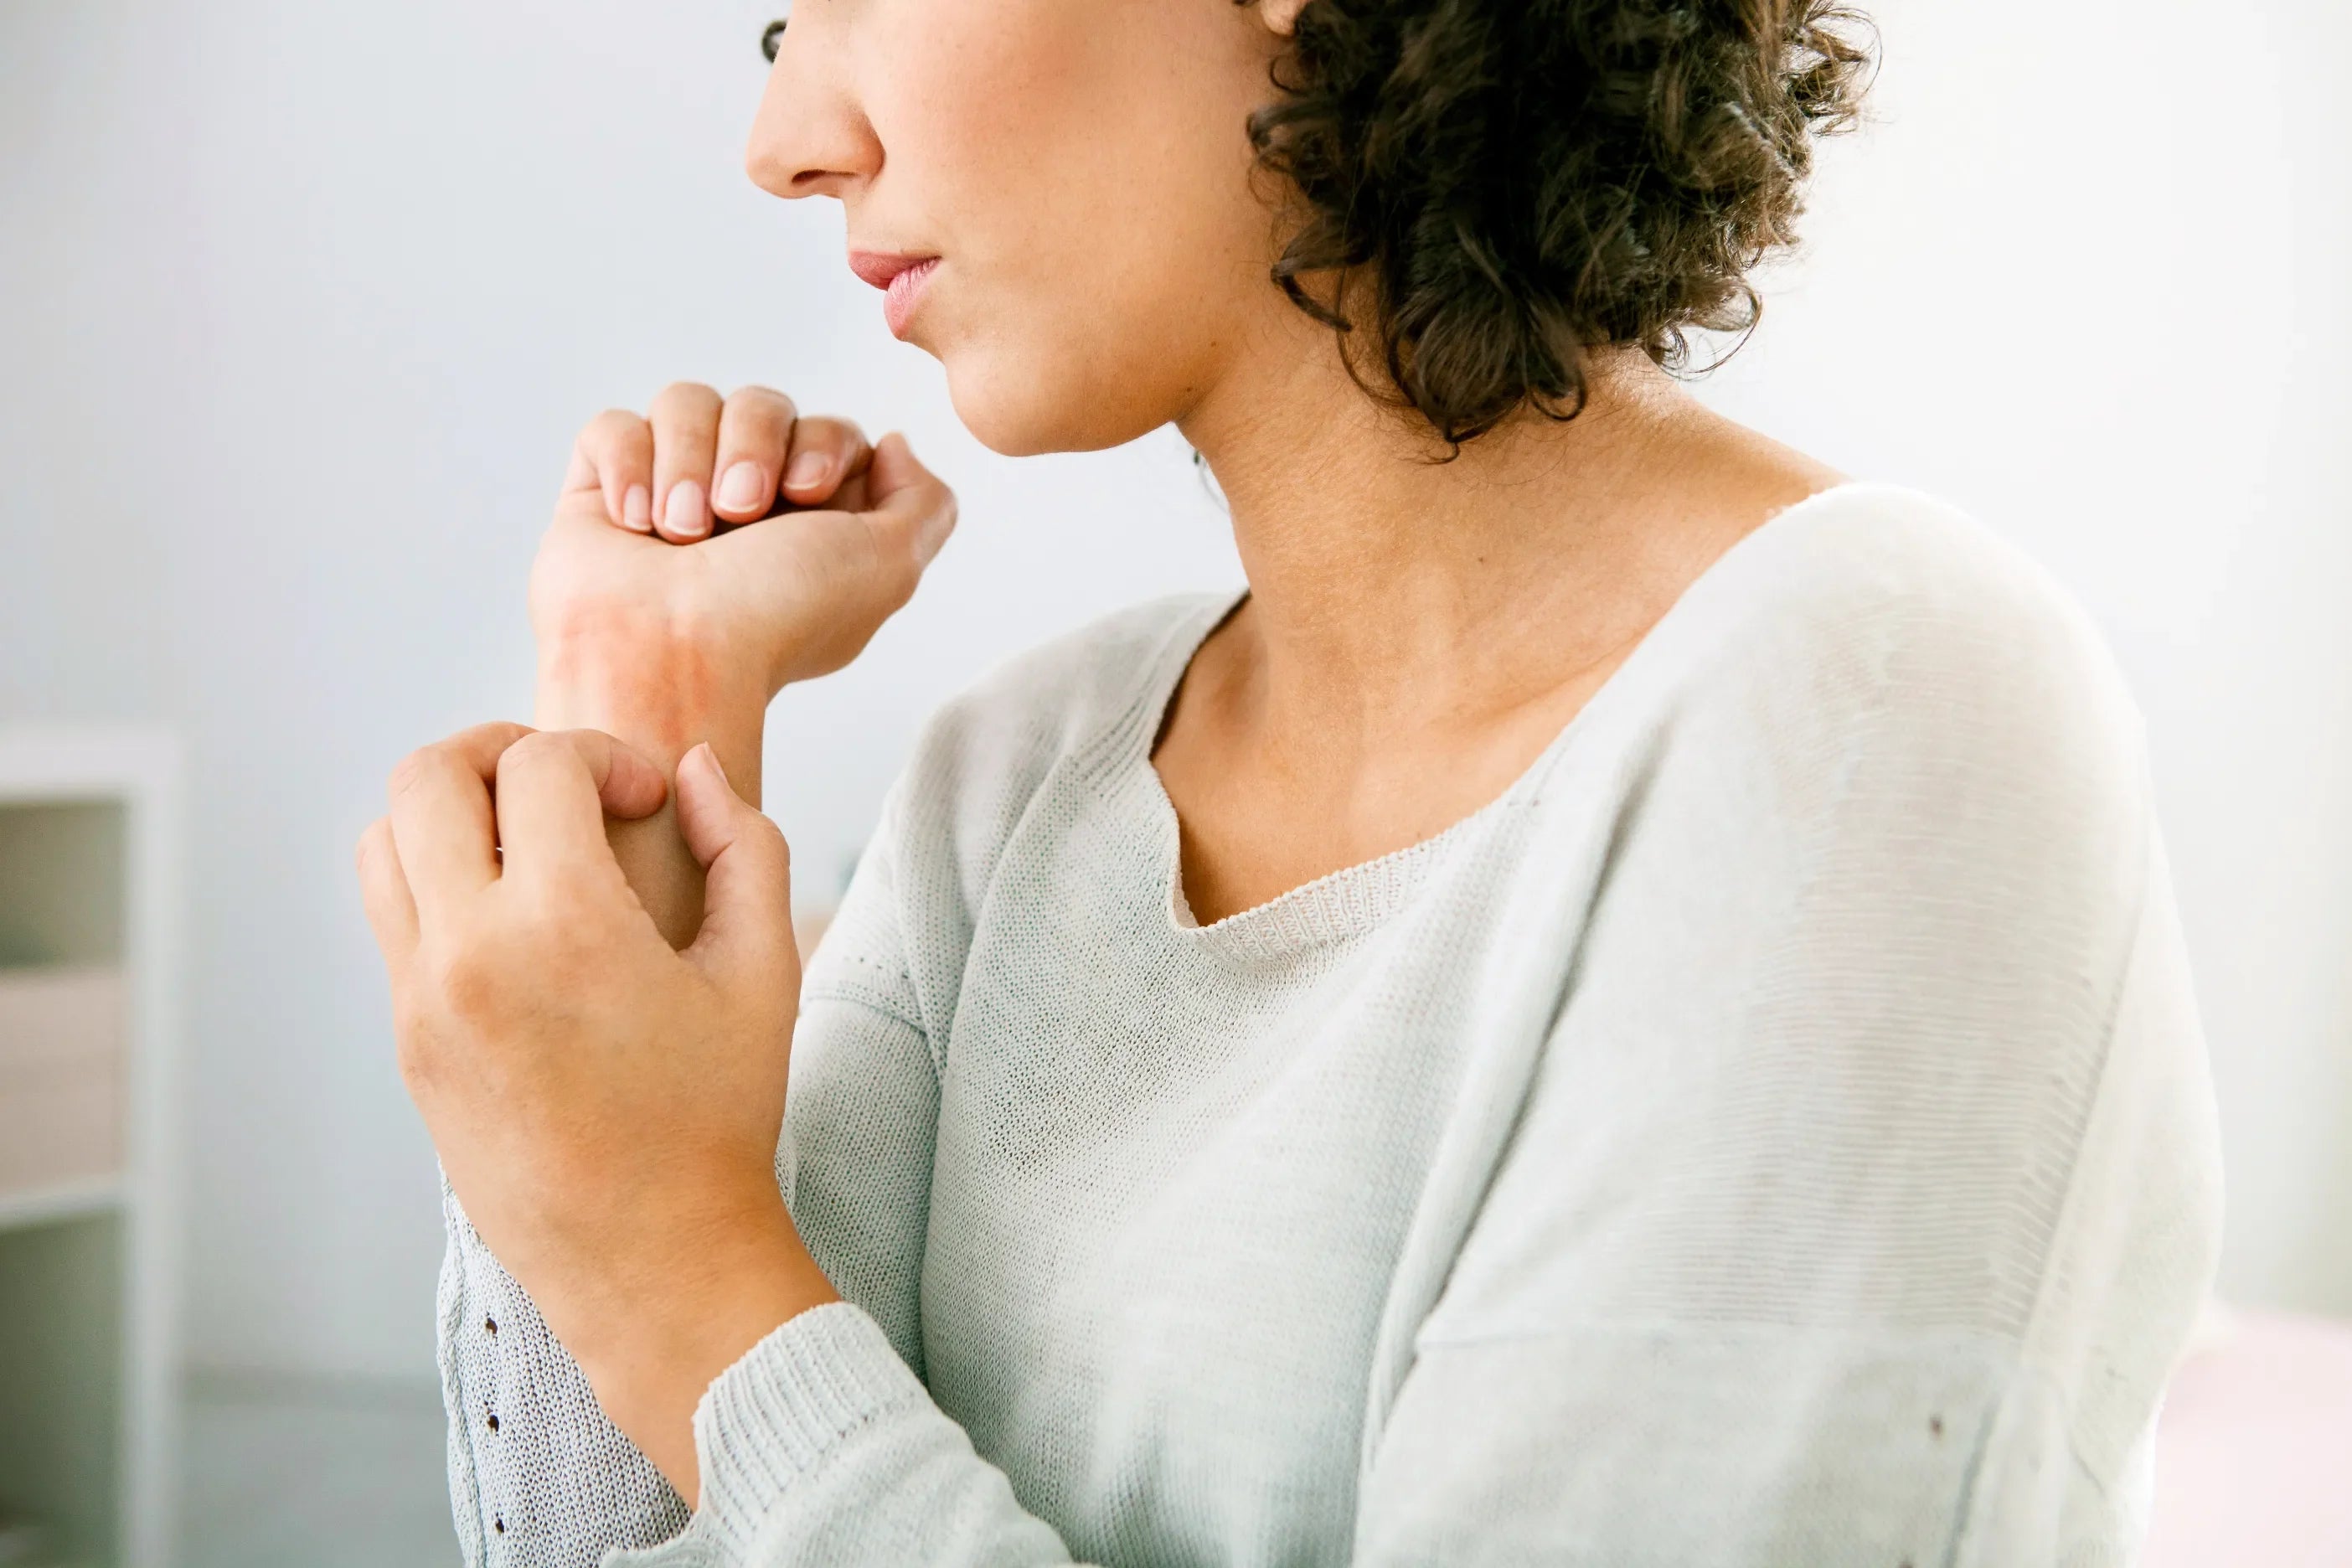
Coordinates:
62 1080
60 1383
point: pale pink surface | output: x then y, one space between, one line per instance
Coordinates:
2253 1454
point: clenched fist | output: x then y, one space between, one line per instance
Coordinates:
774 546
700 558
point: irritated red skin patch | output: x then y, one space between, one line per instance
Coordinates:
647 681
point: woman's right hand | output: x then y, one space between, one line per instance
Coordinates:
733 535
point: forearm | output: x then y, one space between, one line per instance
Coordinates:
663 697
650 1347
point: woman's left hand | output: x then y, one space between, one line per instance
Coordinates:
607 1108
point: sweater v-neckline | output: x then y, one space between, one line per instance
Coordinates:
1321 912
1351 900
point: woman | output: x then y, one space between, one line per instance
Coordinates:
1622 1004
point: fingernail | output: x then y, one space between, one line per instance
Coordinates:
715 766
740 489
808 470
936 529
685 518
637 510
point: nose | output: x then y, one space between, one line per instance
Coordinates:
811 138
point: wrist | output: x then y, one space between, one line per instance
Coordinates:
651 1358
662 693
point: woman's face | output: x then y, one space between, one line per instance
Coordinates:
1081 168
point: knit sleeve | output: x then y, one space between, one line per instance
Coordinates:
539 1477
823 1445
1866 1190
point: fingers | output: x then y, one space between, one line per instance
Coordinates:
695 461
911 510
825 454
755 427
685 418
747 919
443 828
448 830
614 454
765 448
840 573
556 787
383 892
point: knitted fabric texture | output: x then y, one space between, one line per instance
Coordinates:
1776 1130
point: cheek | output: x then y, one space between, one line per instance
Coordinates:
1085 168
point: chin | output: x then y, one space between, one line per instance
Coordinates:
1022 408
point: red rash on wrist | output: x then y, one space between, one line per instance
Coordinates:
656 686
661 694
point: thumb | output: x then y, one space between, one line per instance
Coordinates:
909 509
746 911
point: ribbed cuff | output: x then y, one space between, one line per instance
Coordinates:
784 1408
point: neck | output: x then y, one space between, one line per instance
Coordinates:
1387 588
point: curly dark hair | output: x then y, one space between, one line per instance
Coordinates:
1496 187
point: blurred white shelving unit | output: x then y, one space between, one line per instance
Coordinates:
90 857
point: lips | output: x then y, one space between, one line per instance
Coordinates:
900 277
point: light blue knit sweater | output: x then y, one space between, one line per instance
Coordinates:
1776 1130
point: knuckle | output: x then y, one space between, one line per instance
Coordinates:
544 923
840 434
531 753
531 748
414 772
542 746
613 428
613 443
581 928
466 982
760 401
685 398
373 858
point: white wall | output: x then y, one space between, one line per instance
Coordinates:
299 306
